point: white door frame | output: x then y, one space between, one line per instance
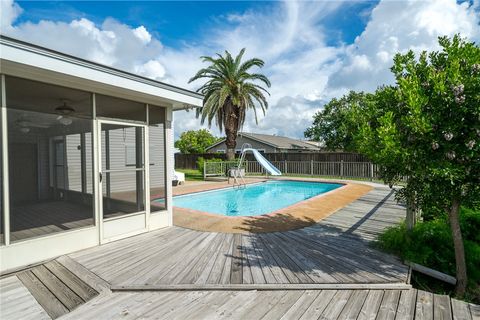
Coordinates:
99 190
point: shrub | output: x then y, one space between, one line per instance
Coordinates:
430 243
201 161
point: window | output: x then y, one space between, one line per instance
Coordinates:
130 155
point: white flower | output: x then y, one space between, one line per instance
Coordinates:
470 144
460 99
476 68
458 90
448 136
435 145
450 155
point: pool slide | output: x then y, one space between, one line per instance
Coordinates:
264 162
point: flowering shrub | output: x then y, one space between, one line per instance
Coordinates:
427 128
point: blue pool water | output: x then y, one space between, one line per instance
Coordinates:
255 199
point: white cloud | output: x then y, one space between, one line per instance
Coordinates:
304 71
151 69
9 13
142 34
398 26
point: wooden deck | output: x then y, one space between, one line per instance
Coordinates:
16 302
326 271
324 253
297 304
49 291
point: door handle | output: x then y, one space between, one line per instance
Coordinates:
100 177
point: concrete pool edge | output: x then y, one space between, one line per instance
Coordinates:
298 215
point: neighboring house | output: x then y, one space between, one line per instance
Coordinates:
74 171
267 144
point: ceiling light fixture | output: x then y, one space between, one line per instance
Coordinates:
64 109
65 121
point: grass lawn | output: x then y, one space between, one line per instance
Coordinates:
195 175
191 174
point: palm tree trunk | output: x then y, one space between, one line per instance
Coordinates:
461 267
231 144
231 130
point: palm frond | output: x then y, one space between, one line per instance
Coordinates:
230 90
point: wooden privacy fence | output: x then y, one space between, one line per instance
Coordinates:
189 161
340 169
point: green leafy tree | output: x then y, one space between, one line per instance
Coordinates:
230 90
333 124
427 128
195 141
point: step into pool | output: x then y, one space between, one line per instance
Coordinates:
254 199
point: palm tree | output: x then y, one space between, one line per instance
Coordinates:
229 92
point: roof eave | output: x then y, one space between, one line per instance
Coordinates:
181 98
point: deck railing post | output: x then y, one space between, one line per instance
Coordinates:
341 168
371 171
285 166
311 168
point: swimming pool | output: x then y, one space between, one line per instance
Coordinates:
255 199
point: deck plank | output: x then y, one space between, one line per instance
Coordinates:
196 266
294 273
42 294
460 310
227 266
208 267
424 307
297 309
84 291
371 305
442 309
354 305
406 305
87 276
336 305
389 304
269 264
318 305
475 311
247 261
63 293
220 260
16 302
236 275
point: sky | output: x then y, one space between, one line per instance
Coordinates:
313 50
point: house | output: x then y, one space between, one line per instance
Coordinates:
267 144
84 153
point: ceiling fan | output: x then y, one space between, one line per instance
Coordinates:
25 124
64 111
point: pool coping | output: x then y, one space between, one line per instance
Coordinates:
295 216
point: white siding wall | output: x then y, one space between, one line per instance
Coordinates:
122 151
157 156
74 166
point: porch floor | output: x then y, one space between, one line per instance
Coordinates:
48 217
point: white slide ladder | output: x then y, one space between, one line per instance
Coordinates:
238 173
